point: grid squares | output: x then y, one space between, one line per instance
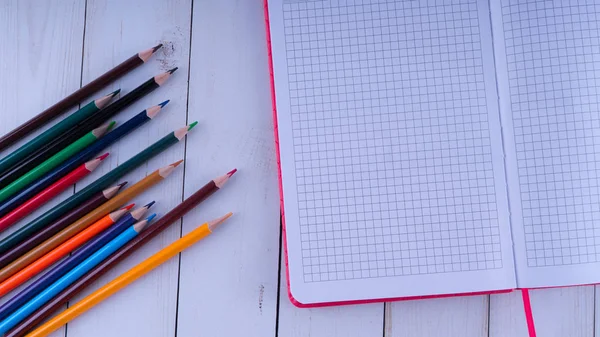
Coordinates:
391 143
553 58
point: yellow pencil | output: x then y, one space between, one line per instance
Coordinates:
128 277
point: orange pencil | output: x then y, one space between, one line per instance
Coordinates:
61 251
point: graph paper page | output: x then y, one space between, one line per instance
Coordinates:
548 59
391 153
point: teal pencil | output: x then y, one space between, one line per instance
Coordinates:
73 275
101 183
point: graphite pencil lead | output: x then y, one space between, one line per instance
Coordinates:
173 70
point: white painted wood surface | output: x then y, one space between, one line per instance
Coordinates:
233 284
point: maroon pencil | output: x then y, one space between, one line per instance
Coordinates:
67 219
76 97
57 302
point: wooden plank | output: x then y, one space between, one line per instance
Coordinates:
507 316
40 63
234 273
364 320
455 316
116 29
563 311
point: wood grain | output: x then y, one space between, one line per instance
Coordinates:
457 316
507 316
344 321
40 63
114 30
563 311
234 274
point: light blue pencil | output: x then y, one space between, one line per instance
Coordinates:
73 275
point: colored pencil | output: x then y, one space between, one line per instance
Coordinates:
90 123
73 274
55 131
103 182
80 158
54 161
79 225
62 250
120 282
92 203
50 192
75 98
72 261
92 276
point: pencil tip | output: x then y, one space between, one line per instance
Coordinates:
152 216
216 222
162 105
175 164
102 157
122 184
157 47
114 93
128 207
191 126
172 70
150 204
232 172
110 125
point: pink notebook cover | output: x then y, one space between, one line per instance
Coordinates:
277 149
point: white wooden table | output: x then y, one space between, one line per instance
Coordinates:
233 283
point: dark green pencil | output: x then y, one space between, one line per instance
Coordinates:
98 185
57 130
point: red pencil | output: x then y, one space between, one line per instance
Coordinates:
50 192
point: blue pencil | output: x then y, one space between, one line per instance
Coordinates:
72 276
81 157
72 261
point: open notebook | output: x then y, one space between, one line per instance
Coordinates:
431 148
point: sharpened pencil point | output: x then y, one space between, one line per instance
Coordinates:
128 207
162 105
110 125
232 172
114 93
157 47
172 70
150 204
218 221
102 157
152 216
122 184
175 164
191 126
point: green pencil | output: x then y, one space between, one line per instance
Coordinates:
45 137
98 185
54 161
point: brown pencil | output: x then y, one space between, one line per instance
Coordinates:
79 225
76 97
62 222
176 213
